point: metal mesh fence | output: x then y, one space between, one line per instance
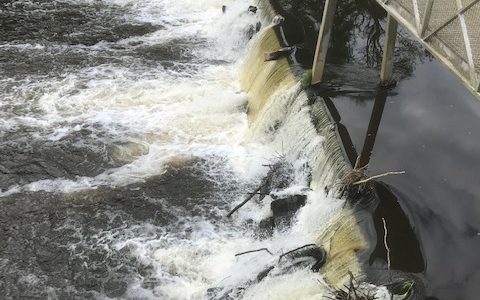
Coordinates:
445 26
442 11
472 19
407 5
452 36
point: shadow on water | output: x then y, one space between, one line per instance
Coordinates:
390 221
396 252
415 248
405 251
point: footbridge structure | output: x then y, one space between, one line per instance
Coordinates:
449 29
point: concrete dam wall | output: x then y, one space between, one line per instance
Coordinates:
280 108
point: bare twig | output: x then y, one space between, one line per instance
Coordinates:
296 249
357 163
352 285
350 291
378 176
261 194
252 251
244 201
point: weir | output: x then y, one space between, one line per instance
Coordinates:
121 167
306 125
276 98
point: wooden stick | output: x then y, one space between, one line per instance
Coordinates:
296 249
378 176
244 201
251 251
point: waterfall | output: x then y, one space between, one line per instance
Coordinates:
281 114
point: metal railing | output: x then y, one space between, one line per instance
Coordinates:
450 29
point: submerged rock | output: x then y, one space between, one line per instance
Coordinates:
309 251
280 176
280 53
266 227
219 293
252 9
284 208
278 19
264 273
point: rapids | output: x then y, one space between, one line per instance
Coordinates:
125 141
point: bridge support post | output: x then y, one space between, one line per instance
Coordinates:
388 51
323 40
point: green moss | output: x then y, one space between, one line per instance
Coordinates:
307 78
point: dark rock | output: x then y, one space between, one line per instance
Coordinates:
258 26
285 208
280 53
252 9
264 273
216 293
250 32
212 292
280 176
265 227
313 251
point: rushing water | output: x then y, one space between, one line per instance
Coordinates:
124 143
121 147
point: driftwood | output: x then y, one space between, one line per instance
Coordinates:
315 252
309 250
351 292
378 176
355 185
278 177
252 251
244 201
294 250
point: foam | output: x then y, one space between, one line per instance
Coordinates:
176 115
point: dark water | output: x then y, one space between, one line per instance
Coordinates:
429 129
60 245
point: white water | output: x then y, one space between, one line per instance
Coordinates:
174 114
166 116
